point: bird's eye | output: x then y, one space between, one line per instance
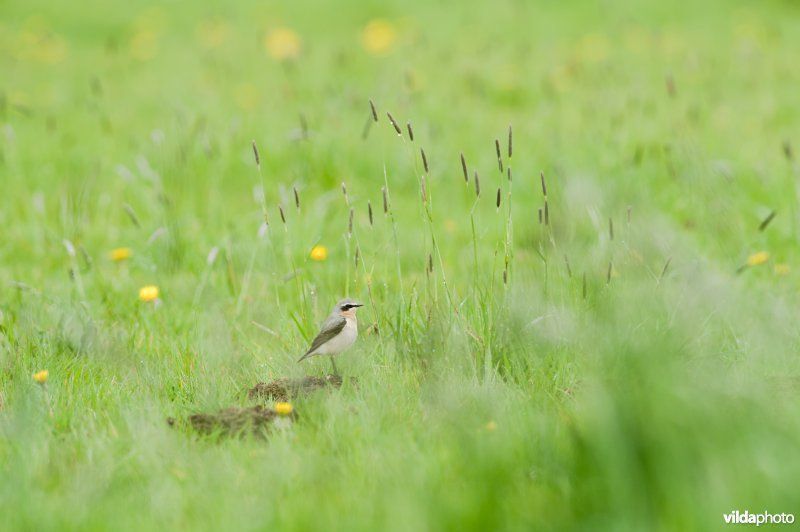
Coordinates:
347 307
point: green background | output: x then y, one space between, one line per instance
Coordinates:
645 379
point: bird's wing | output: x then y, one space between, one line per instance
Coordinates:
330 329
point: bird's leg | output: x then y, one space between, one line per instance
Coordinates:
335 371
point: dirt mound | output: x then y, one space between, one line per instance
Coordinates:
285 388
259 419
255 419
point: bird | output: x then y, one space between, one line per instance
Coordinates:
337 333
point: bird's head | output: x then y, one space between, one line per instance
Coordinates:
347 307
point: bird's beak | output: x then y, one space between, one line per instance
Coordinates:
358 305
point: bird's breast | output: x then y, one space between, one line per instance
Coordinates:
343 340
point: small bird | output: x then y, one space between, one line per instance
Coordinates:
337 333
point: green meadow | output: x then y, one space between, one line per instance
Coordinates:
595 330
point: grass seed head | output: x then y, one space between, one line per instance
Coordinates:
296 198
510 142
544 185
497 202
424 160
350 223
374 112
394 124
87 260
385 200
477 185
464 168
765 222
369 210
132 215
666 267
255 154
410 131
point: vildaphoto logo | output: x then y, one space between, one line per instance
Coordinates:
764 518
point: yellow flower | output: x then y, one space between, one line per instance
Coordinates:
144 44
491 426
36 42
120 254
319 253
148 293
283 44
378 36
41 376
757 258
283 409
782 269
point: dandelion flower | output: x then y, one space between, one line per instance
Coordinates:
41 376
378 36
283 44
120 254
148 293
283 409
782 269
319 253
757 259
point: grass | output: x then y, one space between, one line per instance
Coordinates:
510 374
